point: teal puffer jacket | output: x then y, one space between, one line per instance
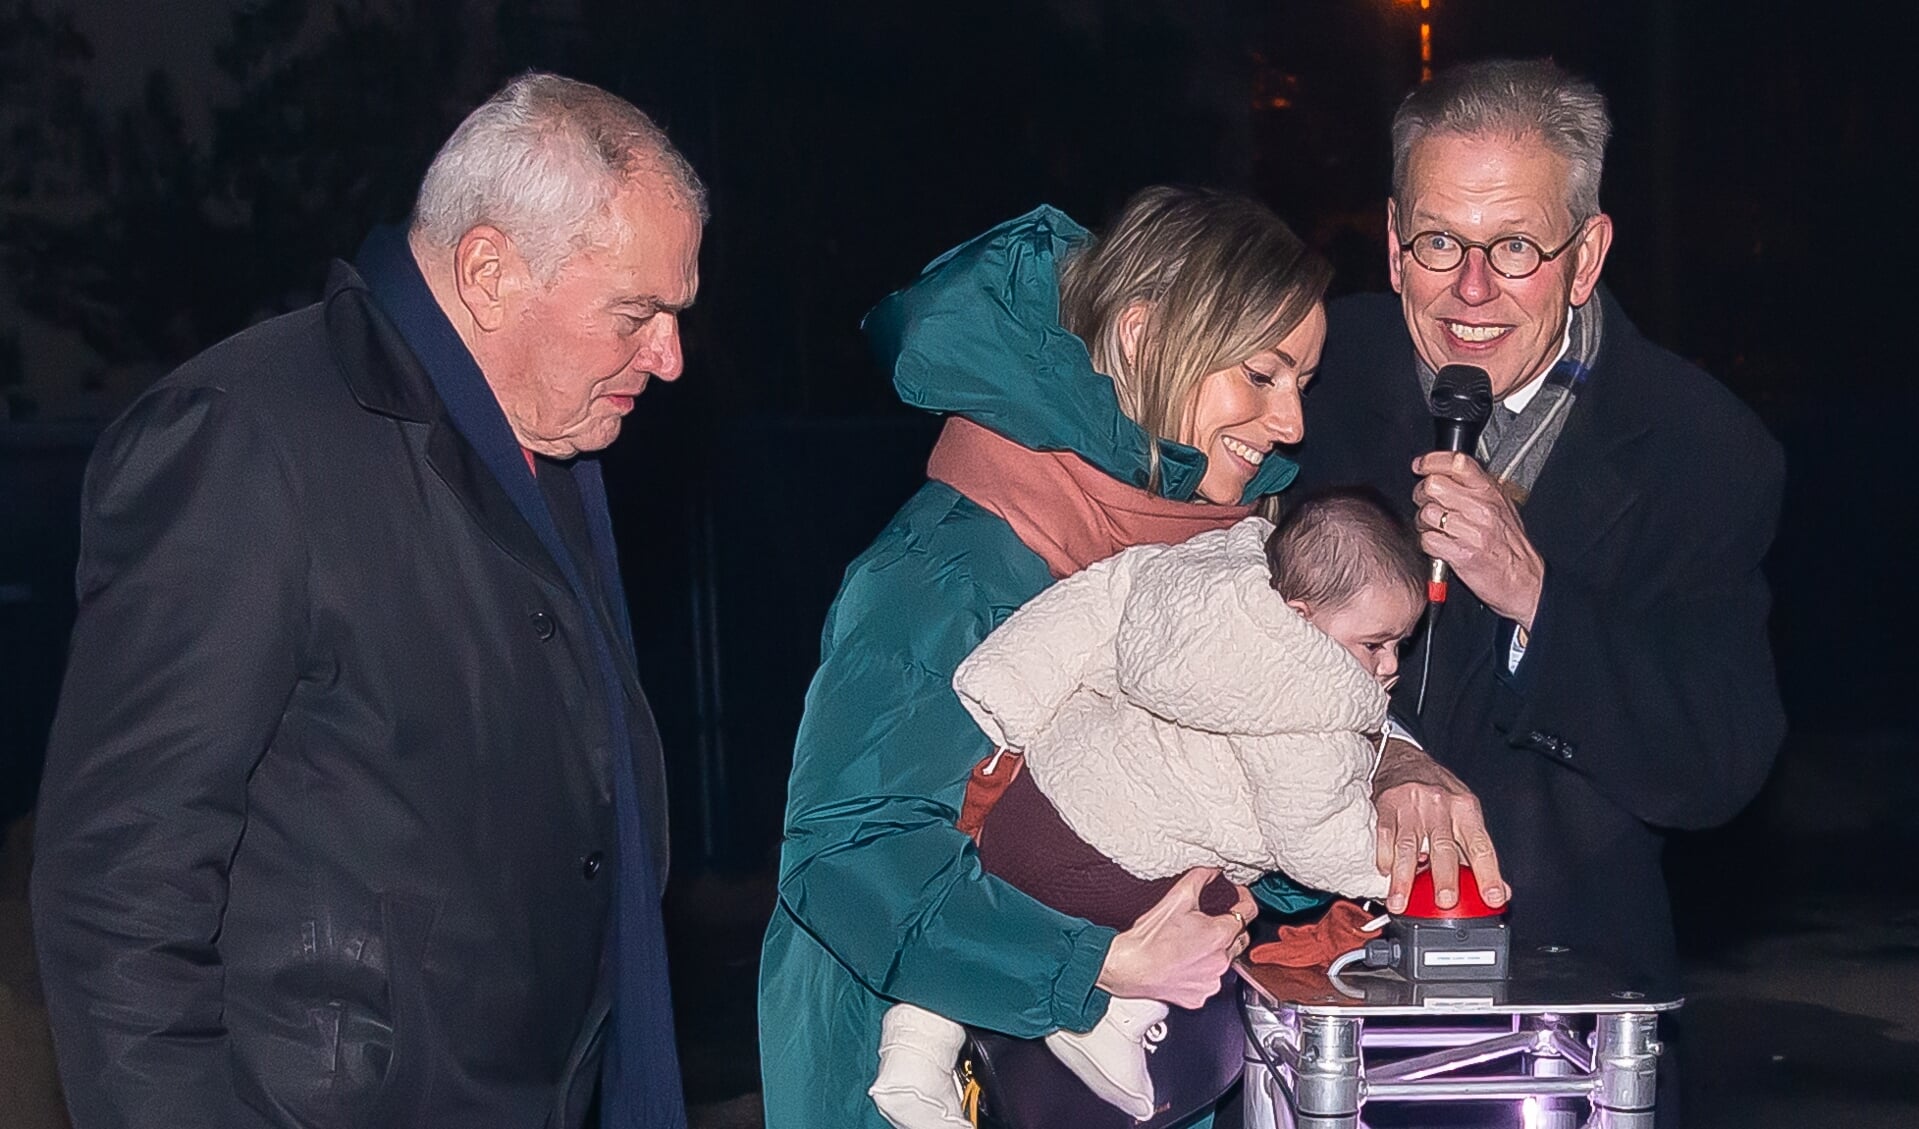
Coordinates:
881 897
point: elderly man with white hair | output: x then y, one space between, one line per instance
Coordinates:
354 808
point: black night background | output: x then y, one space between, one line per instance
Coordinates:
172 171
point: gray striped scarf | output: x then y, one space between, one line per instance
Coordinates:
1515 447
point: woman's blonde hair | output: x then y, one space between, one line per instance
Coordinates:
1223 278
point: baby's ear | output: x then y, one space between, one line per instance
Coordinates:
1304 609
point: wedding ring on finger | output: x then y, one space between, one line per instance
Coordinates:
1443 515
1239 917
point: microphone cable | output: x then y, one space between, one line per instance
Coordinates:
1461 400
1426 664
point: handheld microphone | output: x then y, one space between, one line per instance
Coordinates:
1462 400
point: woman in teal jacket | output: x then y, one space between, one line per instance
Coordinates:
1207 310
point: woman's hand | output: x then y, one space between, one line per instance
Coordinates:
1425 810
1176 951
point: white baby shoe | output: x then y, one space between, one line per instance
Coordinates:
1111 1058
916 1087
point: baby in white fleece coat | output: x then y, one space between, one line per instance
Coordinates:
1214 703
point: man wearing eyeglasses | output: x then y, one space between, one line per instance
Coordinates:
1604 674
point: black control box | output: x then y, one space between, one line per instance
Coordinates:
1440 949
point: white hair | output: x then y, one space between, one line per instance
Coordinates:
542 160
1520 98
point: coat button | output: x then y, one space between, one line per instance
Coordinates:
590 865
542 625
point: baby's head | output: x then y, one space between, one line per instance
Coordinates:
1351 567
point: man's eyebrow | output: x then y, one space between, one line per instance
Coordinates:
1509 226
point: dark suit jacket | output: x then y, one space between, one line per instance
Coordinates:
1646 699
326 836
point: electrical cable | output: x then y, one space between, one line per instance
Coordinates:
1342 960
1426 666
1272 1068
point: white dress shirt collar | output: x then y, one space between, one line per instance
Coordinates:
1516 400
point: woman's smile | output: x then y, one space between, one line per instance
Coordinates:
1251 455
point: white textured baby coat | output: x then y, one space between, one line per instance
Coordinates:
1178 713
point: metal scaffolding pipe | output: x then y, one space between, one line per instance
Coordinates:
1425 1036
1484 1050
1469 1089
1573 1051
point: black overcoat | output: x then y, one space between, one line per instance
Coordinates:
1646 700
326 836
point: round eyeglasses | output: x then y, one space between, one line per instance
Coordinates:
1510 256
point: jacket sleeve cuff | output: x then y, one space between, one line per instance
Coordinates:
1077 1002
1515 642
1516 677
1283 895
1516 695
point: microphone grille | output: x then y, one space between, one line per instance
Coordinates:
1463 393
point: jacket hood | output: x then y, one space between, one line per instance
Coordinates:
978 335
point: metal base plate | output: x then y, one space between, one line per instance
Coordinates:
1548 980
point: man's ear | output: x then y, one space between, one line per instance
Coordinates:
1392 244
483 270
1590 258
1132 330
1304 609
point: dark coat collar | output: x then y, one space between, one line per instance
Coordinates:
1584 491
379 369
386 377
